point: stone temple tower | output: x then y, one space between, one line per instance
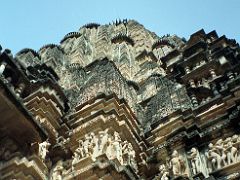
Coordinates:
118 102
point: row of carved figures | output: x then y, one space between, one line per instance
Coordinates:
223 153
218 155
94 145
104 143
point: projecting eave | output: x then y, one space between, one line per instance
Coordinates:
16 118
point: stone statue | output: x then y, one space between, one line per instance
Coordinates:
205 83
2 68
124 147
57 171
221 151
125 152
177 164
103 138
75 159
78 153
117 147
109 148
164 173
231 151
131 156
236 143
80 149
93 142
94 148
196 162
43 149
87 144
213 158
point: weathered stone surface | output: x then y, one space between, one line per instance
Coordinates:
118 102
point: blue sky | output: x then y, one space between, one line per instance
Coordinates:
34 23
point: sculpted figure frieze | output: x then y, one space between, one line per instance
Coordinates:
163 173
174 167
196 162
94 145
43 149
223 153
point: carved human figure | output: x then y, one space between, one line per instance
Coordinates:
131 156
143 159
109 147
80 149
196 162
213 158
177 164
78 153
2 67
87 144
131 152
221 151
205 83
75 158
117 147
235 147
235 140
164 173
93 142
57 171
125 151
102 143
231 151
236 144
43 149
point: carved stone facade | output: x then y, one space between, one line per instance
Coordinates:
118 102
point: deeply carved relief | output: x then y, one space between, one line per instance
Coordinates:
223 153
163 173
43 149
59 171
167 97
196 162
176 166
94 145
217 156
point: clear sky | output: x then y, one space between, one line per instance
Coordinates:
34 23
